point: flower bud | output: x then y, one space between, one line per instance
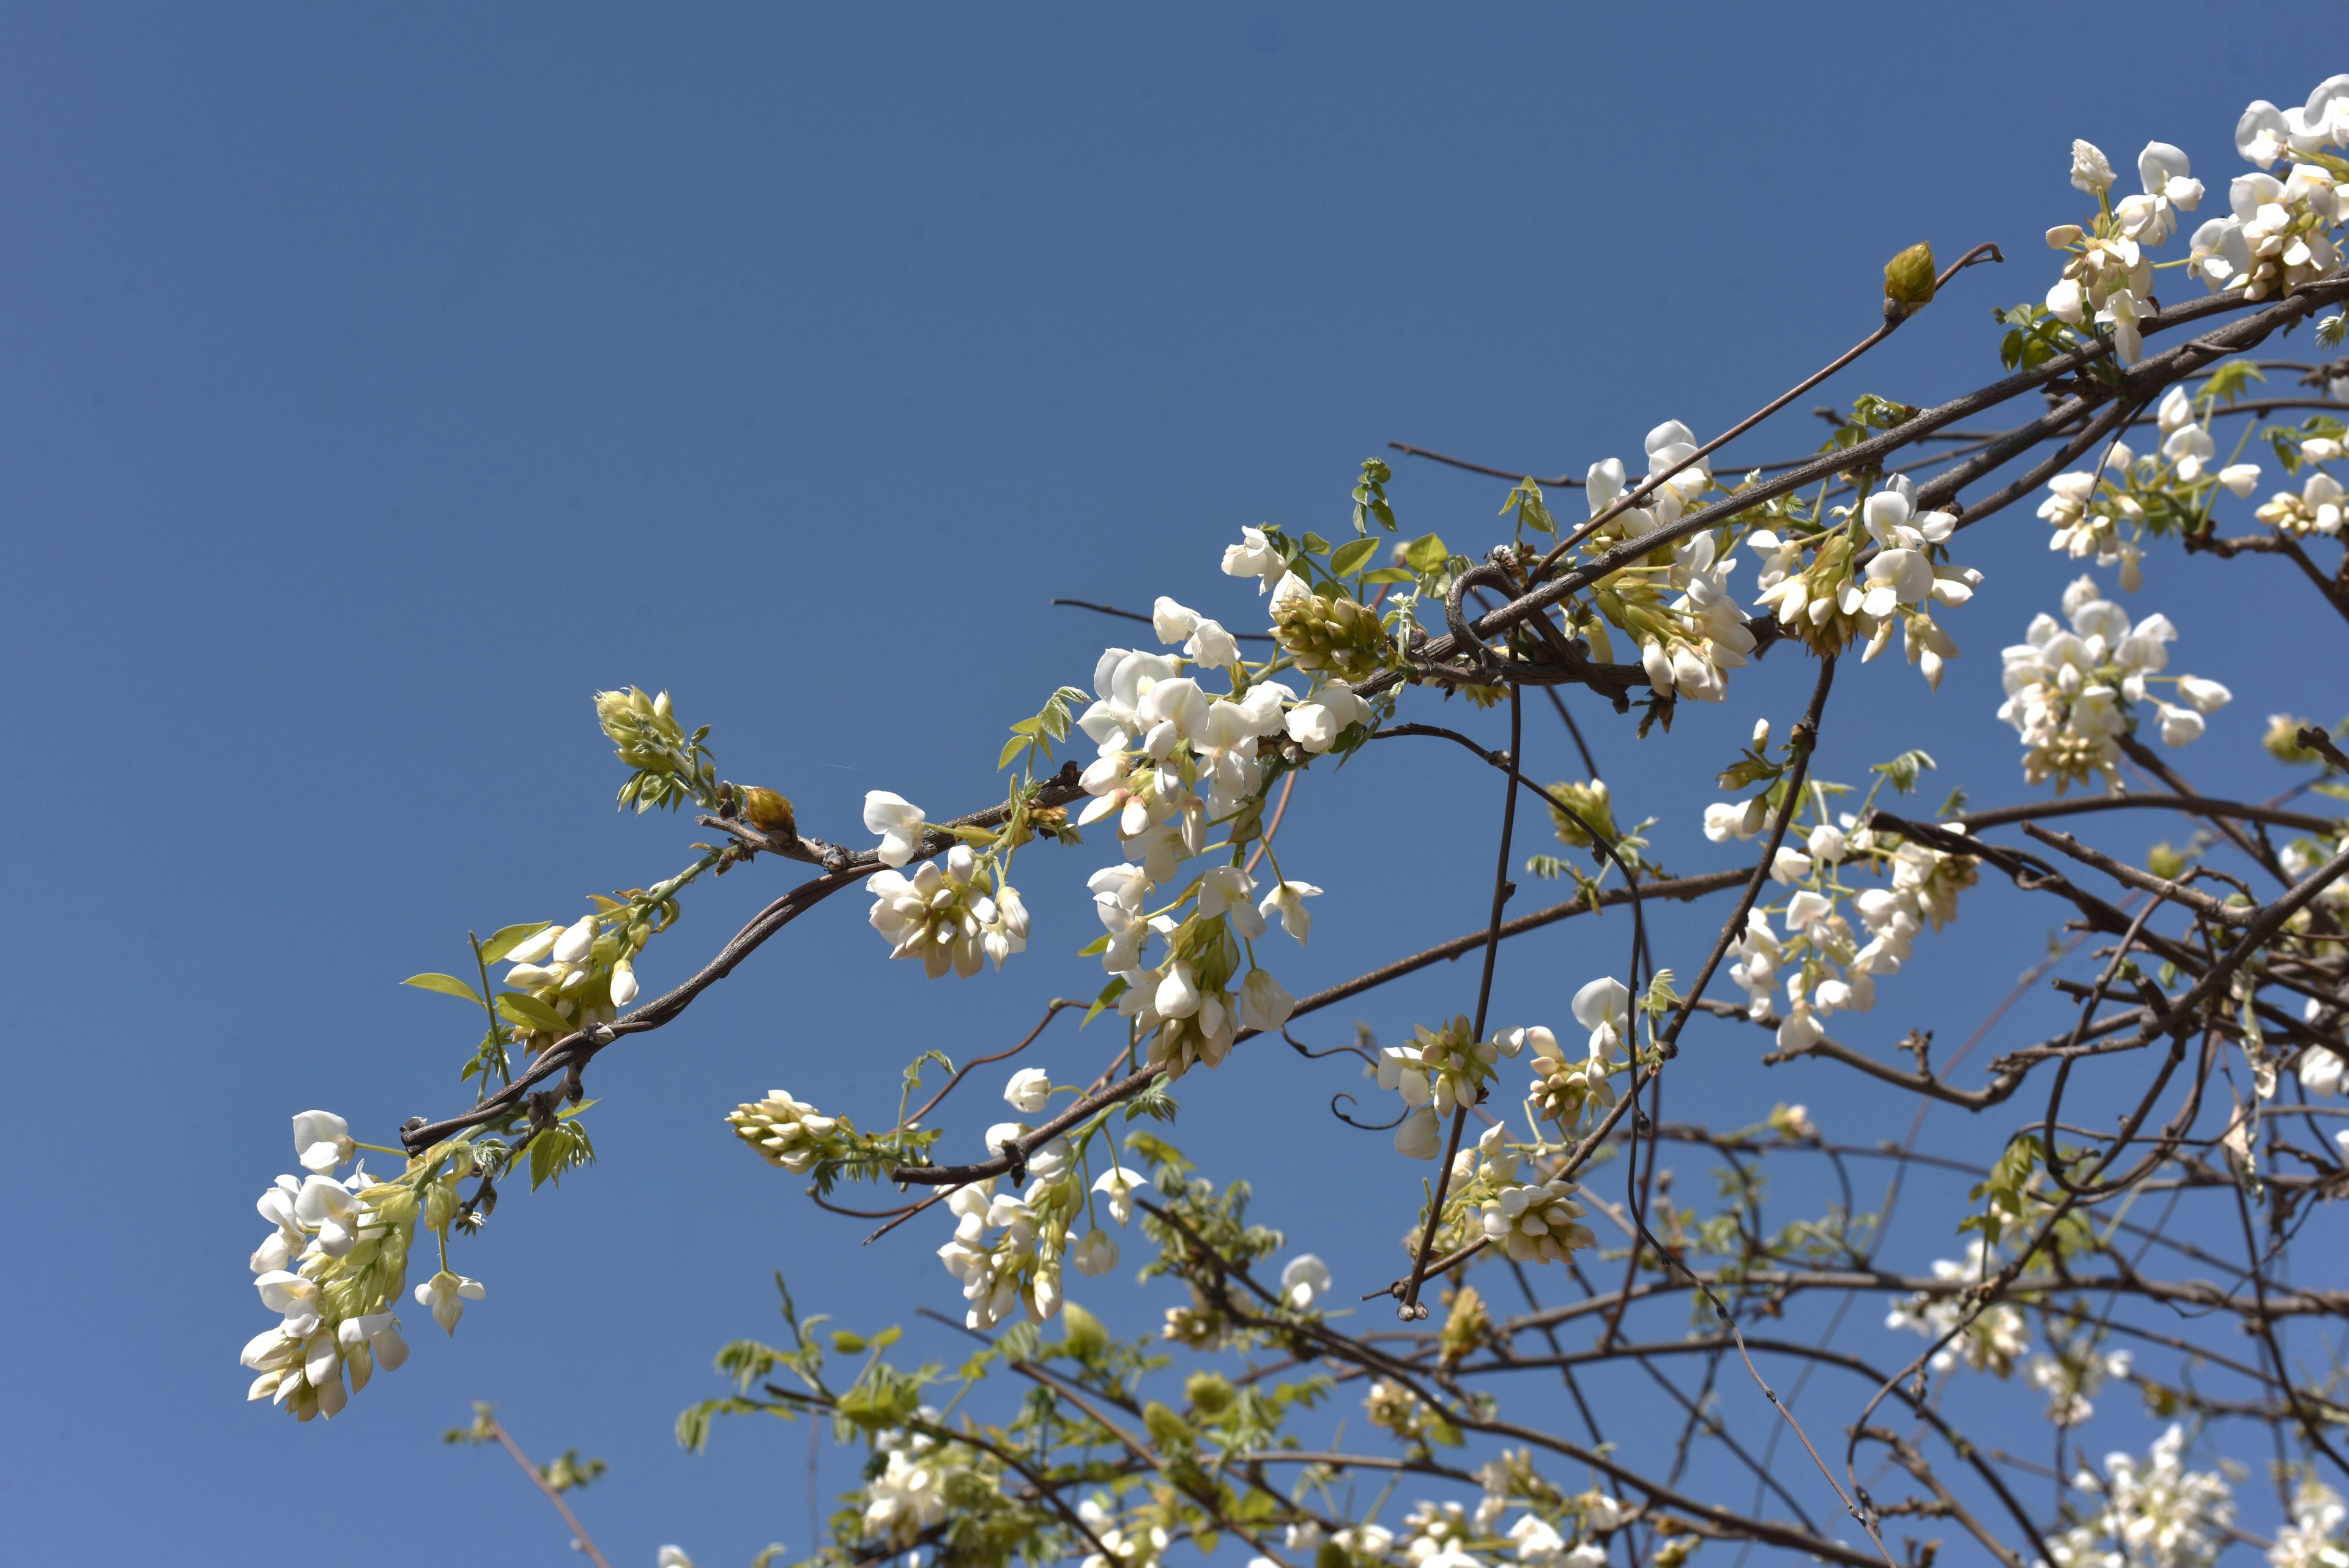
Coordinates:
1908 277
768 812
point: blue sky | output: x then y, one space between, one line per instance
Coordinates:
382 382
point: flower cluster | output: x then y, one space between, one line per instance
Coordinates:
1677 610
584 972
791 1133
2108 273
1174 759
1438 1070
2313 1539
2072 694
944 917
2071 1374
2153 1513
332 1265
2277 233
1835 969
2317 509
2105 513
1885 568
907 1492
1008 1248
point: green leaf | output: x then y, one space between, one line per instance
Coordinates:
846 1343
1390 575
1349 556
505 939
1426 554
1315 545
1902 770
446 984
1011 748
522 1008
1108 997
1094 947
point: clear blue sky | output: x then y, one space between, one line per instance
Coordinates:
380 381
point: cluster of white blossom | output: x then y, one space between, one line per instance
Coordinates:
2313 1539
2069 1377
585 973
2153 1513
1008 1248
1992 1339
1440 1069
1840 599
2108 273
2277 233
1175 760
1552 1530
908 1494
2072 694
1835 970
944 917
788 1132
2317 508
331 1266
2102 512
1685 644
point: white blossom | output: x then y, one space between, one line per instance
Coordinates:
322 1140
897 820
1304 1280
1028 1089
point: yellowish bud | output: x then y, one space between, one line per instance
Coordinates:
1908 277
768 812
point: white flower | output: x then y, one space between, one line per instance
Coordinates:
1254 556
1119 1185
2203 696
2169 188
940 916
1095 1252
1318 722
1264 1003
1724 820
1538 1545
897 820
2091 170
1603 1007
445 1294
1789 864
322 1140
1028 1089
1826 844
2122 311
2320 1070
1173 622
1224 893
536 948
624 984
1419 1134
672 1557
1303 1280
1289 900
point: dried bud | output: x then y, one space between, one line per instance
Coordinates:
1908 277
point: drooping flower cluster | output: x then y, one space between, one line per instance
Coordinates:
1008 1248
1438 1070
2071 1374
908 1493
2105 513
1835 969
2277 233
1678 611
1883 570
1175 759
2153 1513
2108 274
2071 695
332 1266
943 916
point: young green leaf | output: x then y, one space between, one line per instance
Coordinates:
522 1008
446 984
